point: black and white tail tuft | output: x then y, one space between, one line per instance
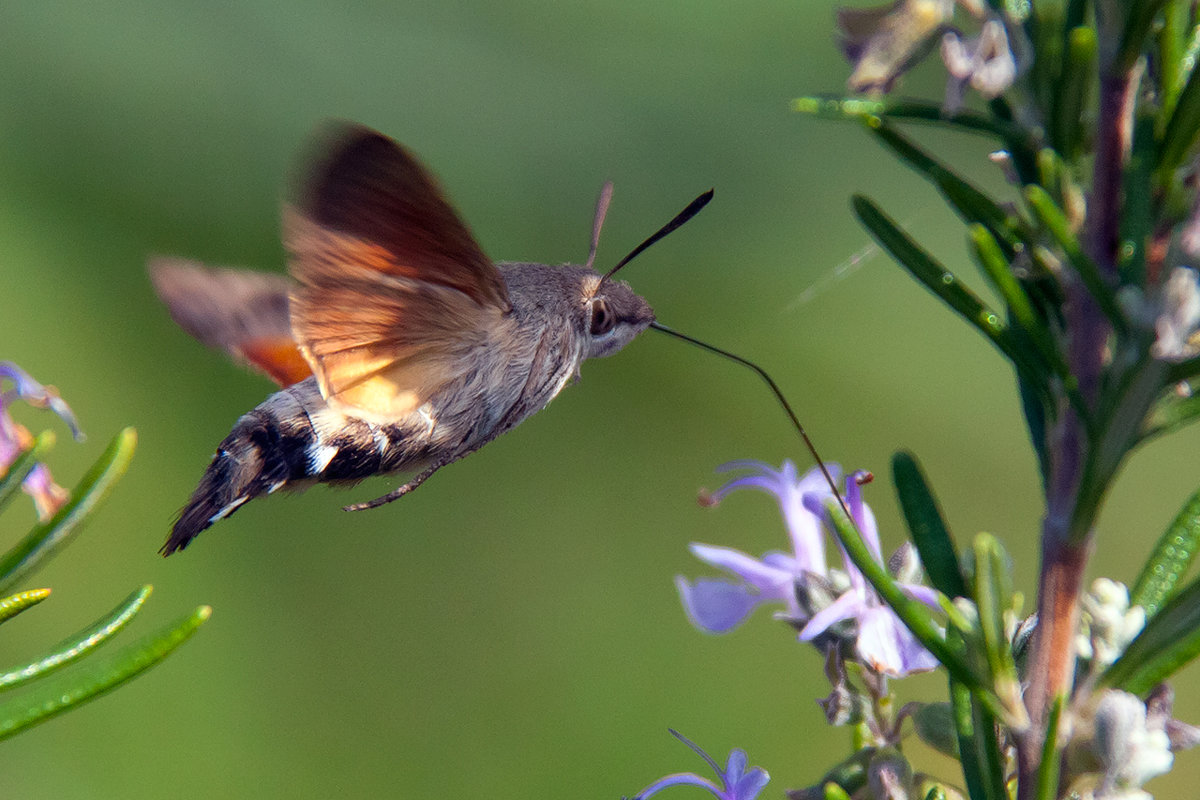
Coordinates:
251 461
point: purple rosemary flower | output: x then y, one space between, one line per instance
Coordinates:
736 782
718 605
15 438
882 641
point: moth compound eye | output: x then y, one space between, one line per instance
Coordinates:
603 320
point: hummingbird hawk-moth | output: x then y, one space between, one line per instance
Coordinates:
399 345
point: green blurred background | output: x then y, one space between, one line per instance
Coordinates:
511 630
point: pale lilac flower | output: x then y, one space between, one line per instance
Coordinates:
718 605
736 782
1130 750
985 63
47 496
1179 316
882 641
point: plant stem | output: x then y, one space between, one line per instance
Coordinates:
1066 530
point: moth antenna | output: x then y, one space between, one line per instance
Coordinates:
601 210
762 373
680 218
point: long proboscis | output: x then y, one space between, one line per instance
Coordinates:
774 387
680 218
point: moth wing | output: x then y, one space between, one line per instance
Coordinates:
394 293
241 312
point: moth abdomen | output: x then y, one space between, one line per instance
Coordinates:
251 461
292 439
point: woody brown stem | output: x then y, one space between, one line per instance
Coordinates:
1066 531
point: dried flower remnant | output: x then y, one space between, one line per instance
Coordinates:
1178 316
737 783
1129 750
15 438
1107 622
885 41
985 63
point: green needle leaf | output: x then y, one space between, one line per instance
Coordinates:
51 698
1138 21
974 727
1016 139
970 203
998 268
945 285
20 468
47 537
1071 91
1170 559
11 606
1055 222
79 645
926 526
1169 641
1048 770
934 724
993 594
1182 128
911 612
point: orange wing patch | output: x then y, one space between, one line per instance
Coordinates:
278 357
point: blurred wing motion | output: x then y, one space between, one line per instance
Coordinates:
243 313
394 294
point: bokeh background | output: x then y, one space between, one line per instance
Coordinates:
511 630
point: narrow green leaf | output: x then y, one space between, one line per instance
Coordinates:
970 203
1169 413
1170 62
926 526
1183 370
1045 29
1169 641
850 775
11 606
980 785
998 268
78 645
1138 217
993 595
831 791
1139 19
1122 416
934 724
1072 92
1055 222
47 537
1048 770
855 108
1182 128
1170 559
936 278
912 613
50 698
23 464
1021 143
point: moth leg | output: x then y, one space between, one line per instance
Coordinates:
399 491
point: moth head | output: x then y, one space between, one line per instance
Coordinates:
614 316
